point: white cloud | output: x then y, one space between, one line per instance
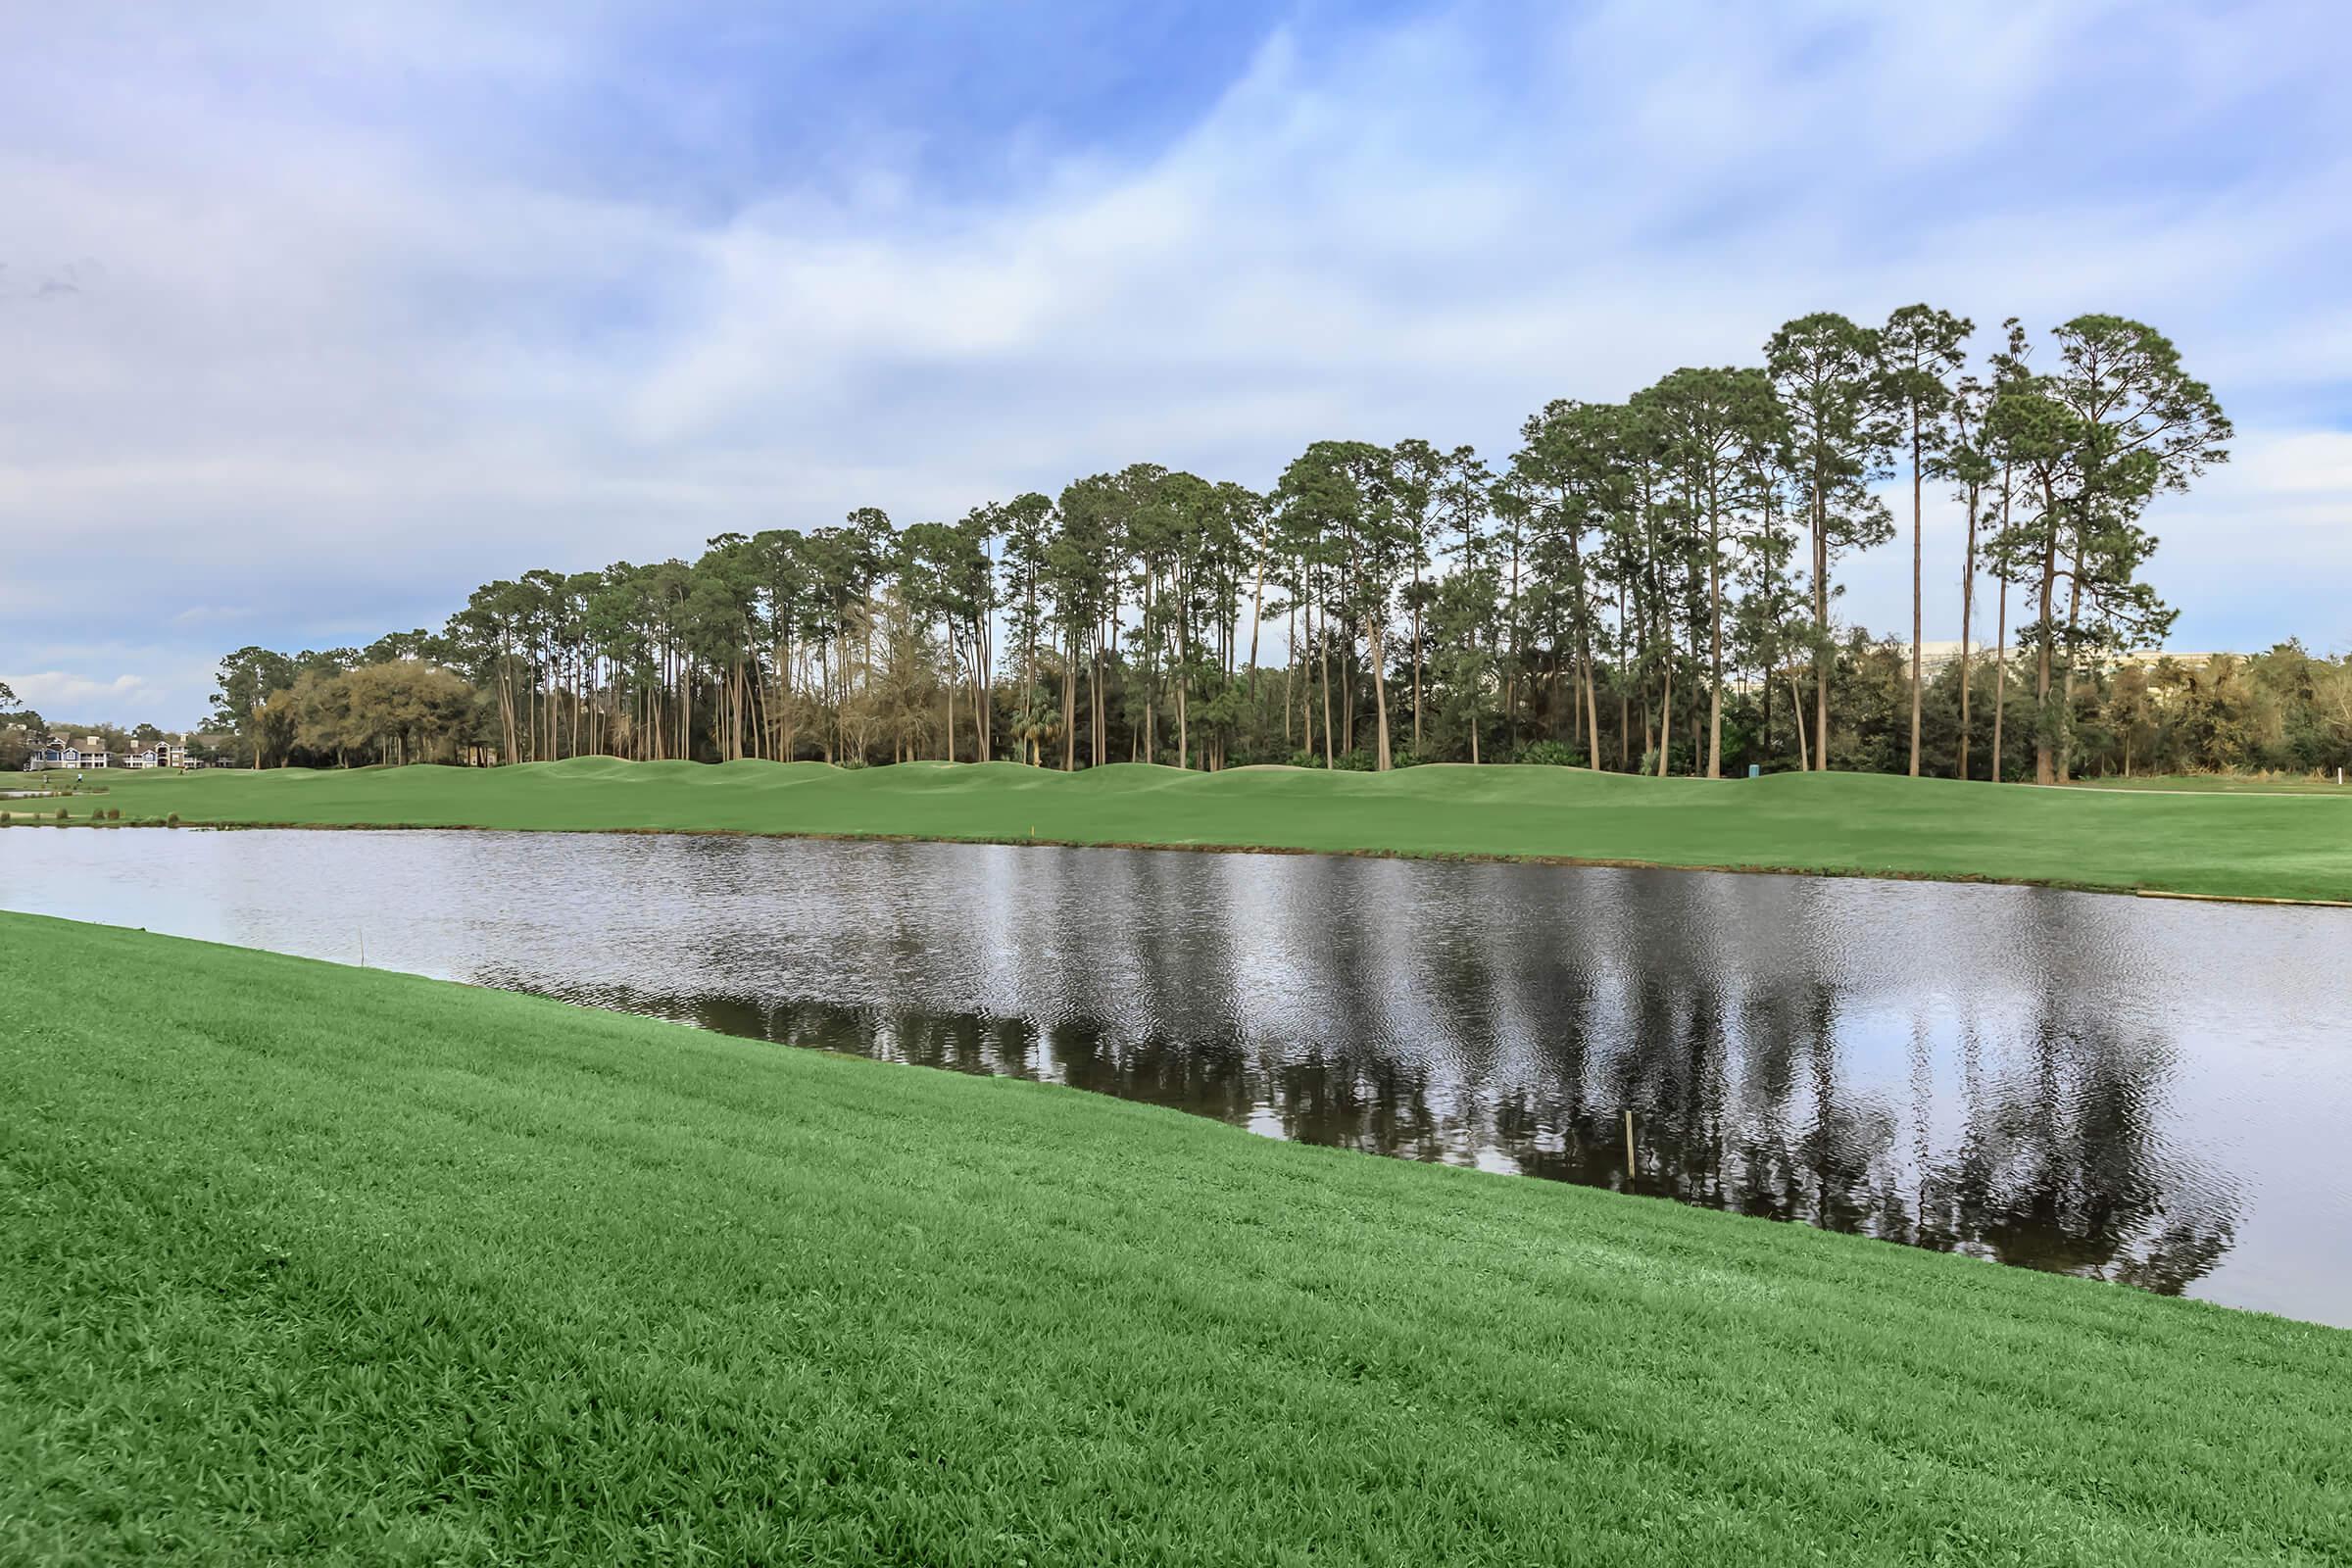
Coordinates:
210 616
56 691
2313 464
338 373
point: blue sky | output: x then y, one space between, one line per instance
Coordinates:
314 317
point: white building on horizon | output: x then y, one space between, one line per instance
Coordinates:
57 755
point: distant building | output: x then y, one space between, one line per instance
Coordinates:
1934 658
92 751
2149 659
59 755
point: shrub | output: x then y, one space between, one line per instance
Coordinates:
1678 761
1549 754
60 813
173 820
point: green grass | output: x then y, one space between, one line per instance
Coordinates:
1841 823
2225 784
307 1264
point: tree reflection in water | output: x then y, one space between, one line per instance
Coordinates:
1508 1016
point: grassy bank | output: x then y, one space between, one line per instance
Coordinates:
310 1263
1843 823
2224 784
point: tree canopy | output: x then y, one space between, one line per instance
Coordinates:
1648 584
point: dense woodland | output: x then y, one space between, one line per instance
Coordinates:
1648 585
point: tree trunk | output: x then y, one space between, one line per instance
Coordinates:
791 706
1695 762
2065 706
1258 591
1069 707
1307 684
1416 657
1666 709
1715 636
1323 659
1510 683
1289 667
1968 611
1184 742
1797 709
1143 646
1917 548
1591 709
1625 711
2000 675
1346 652
984 671
1474 692
1380 690
1825 655
2045 767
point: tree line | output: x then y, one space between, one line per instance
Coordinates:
1646 585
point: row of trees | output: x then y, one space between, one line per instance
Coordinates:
1646 584
2285 709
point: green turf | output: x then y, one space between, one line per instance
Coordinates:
2224 784
306 1263
1841 822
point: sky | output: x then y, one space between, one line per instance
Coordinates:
314 317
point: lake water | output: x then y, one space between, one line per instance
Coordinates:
2155 1092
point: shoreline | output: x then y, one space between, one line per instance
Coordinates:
1441 857
2123 842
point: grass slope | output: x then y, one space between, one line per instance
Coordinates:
328 1265
2222 784
1840 822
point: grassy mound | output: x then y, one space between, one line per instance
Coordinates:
2296 847
312 1263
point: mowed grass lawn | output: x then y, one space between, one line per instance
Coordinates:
307 1264
2224 784
2295 847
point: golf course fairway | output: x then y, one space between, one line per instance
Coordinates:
308 1263
2270 846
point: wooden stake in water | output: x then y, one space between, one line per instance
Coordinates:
1628 1145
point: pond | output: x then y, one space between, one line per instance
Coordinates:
2148 1092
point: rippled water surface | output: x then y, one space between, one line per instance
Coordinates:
2150 1092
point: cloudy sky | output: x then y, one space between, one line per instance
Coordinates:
311 318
